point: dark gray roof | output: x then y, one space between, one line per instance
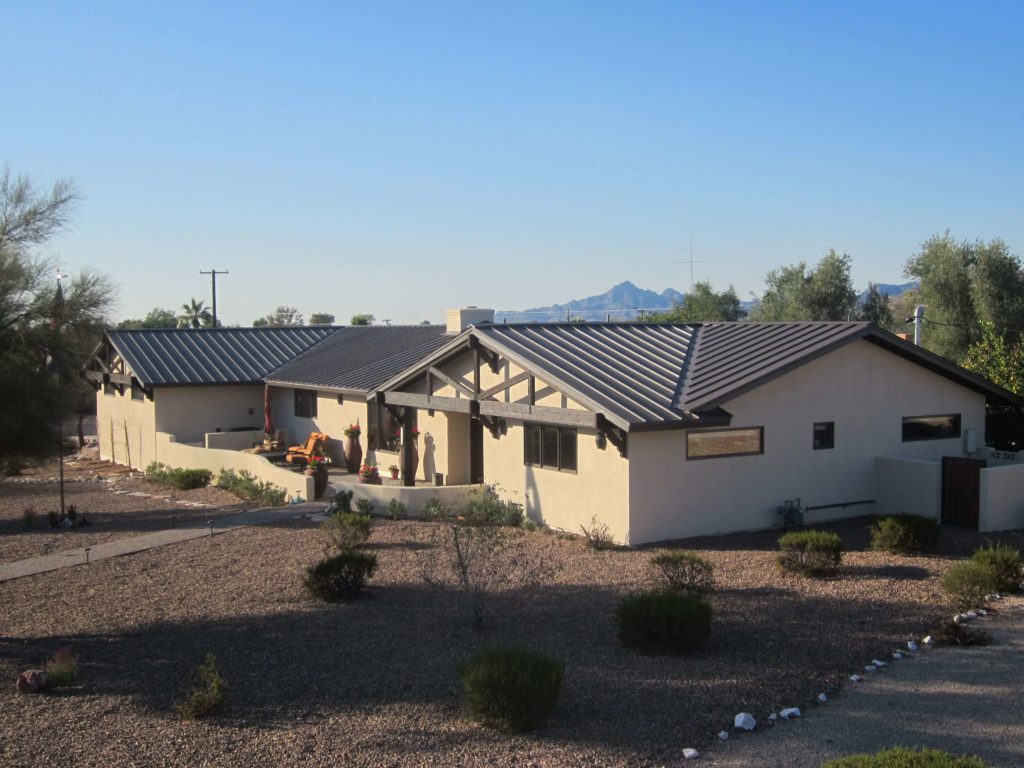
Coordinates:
649 375
192 356
360 358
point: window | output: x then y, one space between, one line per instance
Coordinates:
305 403
385 429
550 447
824 435
931 427
137 392
724 442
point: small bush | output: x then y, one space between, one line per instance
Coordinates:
11 465
187 479
967 583
900 757
683 573
959 634
660 622
1004 563
342 502
207 692
435 510
341 577
62 669
397 510
511 689
597 535
347 530
812 553
245 485
158 473
904 534
490 510
364 507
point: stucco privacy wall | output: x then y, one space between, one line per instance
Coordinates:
175 454
864 389
1001 499
908 485
126 428
566 500
455 497
189 413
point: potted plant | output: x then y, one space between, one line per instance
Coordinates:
317 469
369 474
353 450
393 469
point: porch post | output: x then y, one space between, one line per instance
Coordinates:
408 447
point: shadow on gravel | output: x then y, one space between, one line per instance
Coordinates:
904 572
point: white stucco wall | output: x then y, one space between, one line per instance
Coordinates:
331 418
864 389
1002 498
189 413
908 485
126 429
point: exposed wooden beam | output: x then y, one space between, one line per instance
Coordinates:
458 385
414 400
533 389
538 413
476 371
488 393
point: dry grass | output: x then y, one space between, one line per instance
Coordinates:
374 682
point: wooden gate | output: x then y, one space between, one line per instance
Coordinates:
961 491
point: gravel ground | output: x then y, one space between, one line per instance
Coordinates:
92 486
374 683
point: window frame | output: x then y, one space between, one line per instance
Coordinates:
308 398
908 420
758 452
562 433
831 426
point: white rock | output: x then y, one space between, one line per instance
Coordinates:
723 735
928 640
690 754
911 645
789 712
982 612
957 619
897 655
880 664
822 697
972 614
855 678
870 668
772 717
744 720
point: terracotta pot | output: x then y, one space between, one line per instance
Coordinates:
394 474
370 480
319 480
353 454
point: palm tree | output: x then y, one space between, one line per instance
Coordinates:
196 315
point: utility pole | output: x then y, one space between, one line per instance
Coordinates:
213 283
691 262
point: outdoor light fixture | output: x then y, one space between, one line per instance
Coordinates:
601 440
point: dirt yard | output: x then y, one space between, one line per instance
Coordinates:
374 683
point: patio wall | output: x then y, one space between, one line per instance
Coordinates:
1002 498
176 455
453 496
908 485
233 441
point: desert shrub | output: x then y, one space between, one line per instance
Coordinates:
341 577
683 573
342 502
488 509
597 535
661 622
347 530
158 473
1004 563
435 510
245 485
959 634
11 465
62 669
904 534
511 689
967 583
397 510
901 757
187 479
364 507
812 553
207 691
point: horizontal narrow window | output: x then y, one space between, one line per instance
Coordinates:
824 435
549 447
931 427
724 442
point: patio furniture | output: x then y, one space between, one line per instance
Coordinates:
315 446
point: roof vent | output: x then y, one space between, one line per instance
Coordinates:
460 319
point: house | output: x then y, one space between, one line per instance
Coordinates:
655 431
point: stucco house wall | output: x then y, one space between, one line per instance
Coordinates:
865 390
126 428
189 413
331 418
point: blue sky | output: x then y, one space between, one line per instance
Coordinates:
401 158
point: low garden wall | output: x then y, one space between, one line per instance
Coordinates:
1001 504
453 496
908 485
175 455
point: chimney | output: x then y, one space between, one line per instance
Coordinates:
460 319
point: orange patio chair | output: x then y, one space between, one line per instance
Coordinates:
315 446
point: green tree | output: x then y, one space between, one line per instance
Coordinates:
281 316
155 318
703 304
795 292
875 308
362 320
196 315
321 318
46 332
997 359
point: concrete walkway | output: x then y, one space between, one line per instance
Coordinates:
961 700
142 542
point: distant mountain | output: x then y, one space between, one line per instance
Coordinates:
625 301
